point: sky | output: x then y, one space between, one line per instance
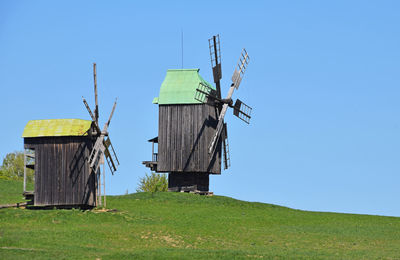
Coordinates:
323 81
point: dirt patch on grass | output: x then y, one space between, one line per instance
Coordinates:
104 210
20 248
168 239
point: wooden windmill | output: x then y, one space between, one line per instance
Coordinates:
65 155
192 133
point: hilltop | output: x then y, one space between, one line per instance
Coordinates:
177 225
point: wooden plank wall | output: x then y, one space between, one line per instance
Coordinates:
62 174
184 134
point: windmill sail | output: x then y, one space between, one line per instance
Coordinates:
225 146
240 69
110 155
96 110
236 79
215 55
102 145
242 111
205 93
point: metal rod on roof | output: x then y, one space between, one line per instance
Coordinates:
182 45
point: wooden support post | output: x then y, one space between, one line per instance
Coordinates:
99 187
24 170
104 186
96 110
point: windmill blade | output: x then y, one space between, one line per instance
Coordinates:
95 155
91 115
96 110
242 111
213 144
110 155
225 146
215 55
88 109
109 119
204 93
240 69
110 161
236 79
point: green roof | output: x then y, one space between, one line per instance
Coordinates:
56 127
179 87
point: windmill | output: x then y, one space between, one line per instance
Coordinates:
102 147
192 133
65 156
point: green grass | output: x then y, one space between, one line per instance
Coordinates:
11 191
180 225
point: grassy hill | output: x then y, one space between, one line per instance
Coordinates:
180 225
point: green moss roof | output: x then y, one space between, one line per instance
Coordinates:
56 127
179 87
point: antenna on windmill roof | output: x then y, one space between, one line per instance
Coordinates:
182 45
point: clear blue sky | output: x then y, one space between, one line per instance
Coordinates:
323 81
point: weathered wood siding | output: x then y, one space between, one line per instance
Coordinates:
62 174
184 134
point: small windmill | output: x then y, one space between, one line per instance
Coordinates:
191 131
65 156
103 147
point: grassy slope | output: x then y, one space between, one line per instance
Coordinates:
10 191
176 225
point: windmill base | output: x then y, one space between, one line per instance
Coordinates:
188 182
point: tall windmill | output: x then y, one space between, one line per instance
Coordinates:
103 148
192 133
